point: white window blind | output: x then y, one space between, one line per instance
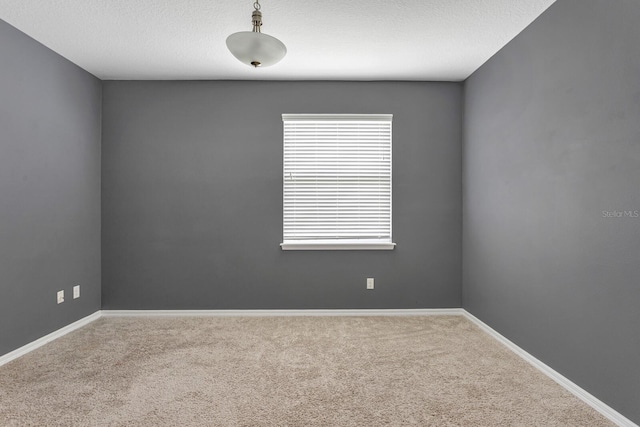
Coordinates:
337 181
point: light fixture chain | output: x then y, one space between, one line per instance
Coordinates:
256 17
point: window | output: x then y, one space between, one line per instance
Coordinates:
337 181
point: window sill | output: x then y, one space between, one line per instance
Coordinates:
338 246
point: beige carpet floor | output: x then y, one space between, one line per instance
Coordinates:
282 371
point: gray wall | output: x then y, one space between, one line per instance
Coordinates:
552 139
192 198
49 189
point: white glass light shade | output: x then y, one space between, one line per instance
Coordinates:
256 49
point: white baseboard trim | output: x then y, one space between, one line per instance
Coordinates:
273 313
48 338
604 409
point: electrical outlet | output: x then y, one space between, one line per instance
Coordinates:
76 291
60 297
370 283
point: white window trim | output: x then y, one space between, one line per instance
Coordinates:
346 117
337 245
342 244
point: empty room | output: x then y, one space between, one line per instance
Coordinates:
338 213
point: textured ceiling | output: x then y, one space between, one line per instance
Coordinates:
329 39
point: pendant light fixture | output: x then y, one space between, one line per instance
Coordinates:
254 48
